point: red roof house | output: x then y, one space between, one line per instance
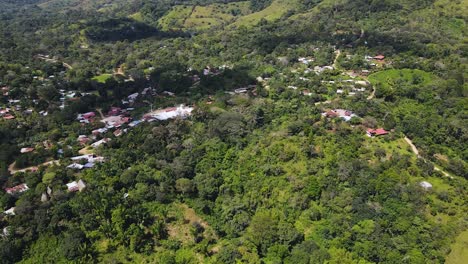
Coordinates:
379 57
376 132
8 117
17 189
114 111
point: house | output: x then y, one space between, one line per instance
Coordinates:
379 57
115 121
75 186
4 111
100 142
8 117
10 211
424 184
88 165
118 132
26 150
132 97
376 132
99 131
346 115
134 123
44 197
86 116
17 189
305 61
168 93
362 83
87 157
114 111
75 166
169 113
306 93
83 139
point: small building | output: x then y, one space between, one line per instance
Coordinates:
132 97
83 139
99 131
115 121
118 132
75 186
114 111
86 116
100 142
376 132
379 57
8 117
44 197
10 211
306 93
17 189
75 166
26 150
426 185
346 115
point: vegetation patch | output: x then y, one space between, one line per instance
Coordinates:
459 252
102 78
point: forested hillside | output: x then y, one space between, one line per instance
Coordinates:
217 131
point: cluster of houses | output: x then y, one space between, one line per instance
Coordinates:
89 161
346 115
181 111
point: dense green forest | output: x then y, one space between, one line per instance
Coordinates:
319 131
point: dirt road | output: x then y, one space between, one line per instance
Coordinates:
416 151
12 169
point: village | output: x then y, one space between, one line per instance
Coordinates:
119 120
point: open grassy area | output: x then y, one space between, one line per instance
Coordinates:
275 11
390 78
459 253
203 17
136 16
102 78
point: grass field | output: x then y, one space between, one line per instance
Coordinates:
275 11
388 78
102 78
459 253
203 17
136 16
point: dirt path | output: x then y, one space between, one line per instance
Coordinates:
326 102
372 95
99 110
12 169
119 71
66 65
416 151
413 147
338 53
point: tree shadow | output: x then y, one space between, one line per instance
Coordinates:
119 29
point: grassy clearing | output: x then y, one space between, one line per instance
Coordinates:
459 253
389 78
102 78
203 17
273 12
137 17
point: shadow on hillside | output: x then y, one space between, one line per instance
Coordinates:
119 29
